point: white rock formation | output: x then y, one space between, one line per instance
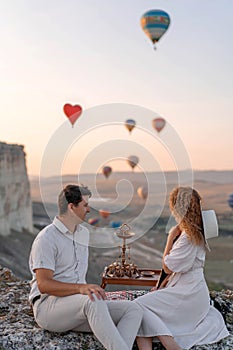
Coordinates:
15 200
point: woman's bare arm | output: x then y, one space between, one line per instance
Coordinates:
173 234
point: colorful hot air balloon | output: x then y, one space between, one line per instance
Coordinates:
72 112
106 171
133 161
158 124
155 23
93 221
230 200
130 124
142 192
104 213
115 224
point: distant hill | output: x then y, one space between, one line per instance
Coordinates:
214 187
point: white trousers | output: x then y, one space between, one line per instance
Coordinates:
114 323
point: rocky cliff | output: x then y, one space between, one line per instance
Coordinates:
15 204
19 331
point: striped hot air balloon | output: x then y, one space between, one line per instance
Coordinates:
130 124
155 23
93 221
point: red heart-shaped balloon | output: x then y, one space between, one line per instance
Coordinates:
72 112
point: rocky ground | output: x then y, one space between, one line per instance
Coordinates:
18 330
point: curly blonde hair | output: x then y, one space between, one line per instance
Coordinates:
185 205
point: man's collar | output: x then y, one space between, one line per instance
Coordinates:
62 228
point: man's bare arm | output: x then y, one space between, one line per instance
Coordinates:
47 285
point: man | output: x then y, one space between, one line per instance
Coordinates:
60 296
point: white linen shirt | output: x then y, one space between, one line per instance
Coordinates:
185 255
65 253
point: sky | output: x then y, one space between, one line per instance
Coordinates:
95 54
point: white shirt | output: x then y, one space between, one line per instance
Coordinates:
185 255
65 253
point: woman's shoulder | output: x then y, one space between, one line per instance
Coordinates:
184 236
183 239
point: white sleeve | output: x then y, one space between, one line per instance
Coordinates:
43 254
182 255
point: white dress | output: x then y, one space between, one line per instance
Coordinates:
183 309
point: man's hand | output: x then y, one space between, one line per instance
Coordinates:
92 289
48 285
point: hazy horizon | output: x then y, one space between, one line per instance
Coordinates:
137 172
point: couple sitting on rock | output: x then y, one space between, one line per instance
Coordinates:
178 315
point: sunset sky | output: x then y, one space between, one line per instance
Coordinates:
94 53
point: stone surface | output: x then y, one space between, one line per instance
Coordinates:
19 331
15 204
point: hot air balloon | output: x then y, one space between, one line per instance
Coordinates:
115 224
158 123
106 171
155 23
93 221
72 112
133 161
230 200
130 124
142 192
104 213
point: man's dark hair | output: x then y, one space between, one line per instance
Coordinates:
71 194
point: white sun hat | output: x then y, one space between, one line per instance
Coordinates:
210 223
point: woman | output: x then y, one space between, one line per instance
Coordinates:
179 314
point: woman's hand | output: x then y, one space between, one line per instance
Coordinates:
153 289
174 232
